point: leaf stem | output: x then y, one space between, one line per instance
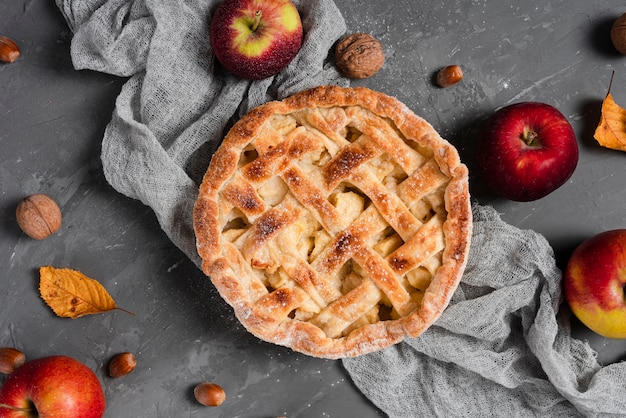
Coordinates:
610 83
125 310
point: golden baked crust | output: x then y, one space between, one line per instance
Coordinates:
335 222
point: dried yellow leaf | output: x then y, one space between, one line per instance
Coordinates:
71 294
611 131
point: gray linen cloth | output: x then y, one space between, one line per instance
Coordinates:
499 350
173 111
502 348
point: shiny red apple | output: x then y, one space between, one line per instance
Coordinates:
595 281
55 386
255 39
526 151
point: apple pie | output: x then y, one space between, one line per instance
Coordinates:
335 222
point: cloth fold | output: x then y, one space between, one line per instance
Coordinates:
177 104
502 348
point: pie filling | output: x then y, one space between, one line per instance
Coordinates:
335 222
294 238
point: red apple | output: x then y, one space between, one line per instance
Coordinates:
526 151
595 281
255 39
55 386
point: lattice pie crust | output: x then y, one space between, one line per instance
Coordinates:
335 222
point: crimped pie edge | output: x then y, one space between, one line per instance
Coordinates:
302 336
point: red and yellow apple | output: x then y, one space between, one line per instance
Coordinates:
255 39
54 386
526 151
594 283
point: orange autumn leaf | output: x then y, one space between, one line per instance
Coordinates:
71 294
611 130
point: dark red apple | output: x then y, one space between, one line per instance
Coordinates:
526 151
55 386
255 39
595 282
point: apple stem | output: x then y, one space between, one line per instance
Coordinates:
257 20
530 137
14 408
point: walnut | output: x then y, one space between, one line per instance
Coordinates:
359 55
618 34
39 216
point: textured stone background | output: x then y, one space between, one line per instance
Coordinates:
51 122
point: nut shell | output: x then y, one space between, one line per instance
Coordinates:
9 51
359 55
618 34
209 394
10 359
122 364
38 216
449 75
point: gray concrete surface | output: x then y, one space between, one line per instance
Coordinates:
52 119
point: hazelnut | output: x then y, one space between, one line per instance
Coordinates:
209 394
39 216
449 75
122 364
359 55
10 359
9 51
618 34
